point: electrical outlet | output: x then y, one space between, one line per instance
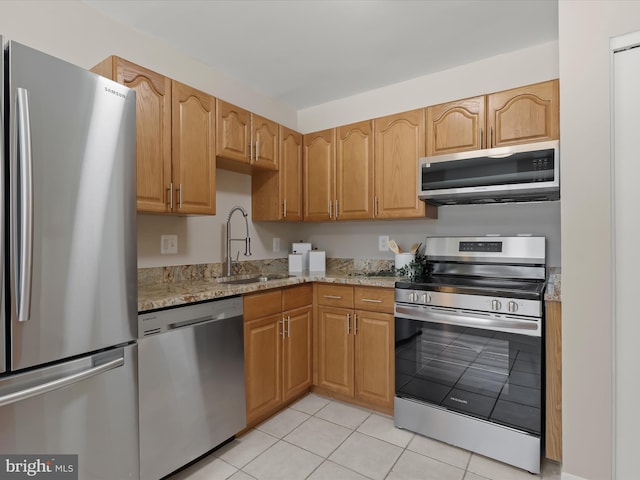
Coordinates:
276 244
383 243
168 244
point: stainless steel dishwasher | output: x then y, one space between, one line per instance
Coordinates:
191 382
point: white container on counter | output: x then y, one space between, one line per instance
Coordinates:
302 248
404 259
317 261
295 263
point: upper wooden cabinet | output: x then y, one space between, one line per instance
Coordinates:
318 166
399 143
338 173
175 132
456 126
278 195
520 115
193 150
245 140
354 171
153 130
525 114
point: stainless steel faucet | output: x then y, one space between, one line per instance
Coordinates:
246 239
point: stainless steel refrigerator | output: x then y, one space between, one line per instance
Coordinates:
69 317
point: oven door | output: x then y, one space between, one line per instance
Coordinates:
492 375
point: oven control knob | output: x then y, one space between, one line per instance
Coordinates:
426 298
413 297
496 305
512 306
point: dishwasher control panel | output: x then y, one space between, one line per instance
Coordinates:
160 321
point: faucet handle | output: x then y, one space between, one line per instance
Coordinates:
247 247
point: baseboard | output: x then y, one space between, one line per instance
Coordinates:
568 476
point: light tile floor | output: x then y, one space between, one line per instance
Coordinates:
318 438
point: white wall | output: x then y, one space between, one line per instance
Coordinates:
359 239
585 30
522 67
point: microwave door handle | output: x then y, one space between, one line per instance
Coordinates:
24 255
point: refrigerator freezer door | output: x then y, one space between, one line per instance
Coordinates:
72 263
79 410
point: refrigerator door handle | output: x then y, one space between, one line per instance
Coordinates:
60 382
25 165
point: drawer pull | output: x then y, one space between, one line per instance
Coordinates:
335 297
371 300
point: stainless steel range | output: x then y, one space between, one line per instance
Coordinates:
469 355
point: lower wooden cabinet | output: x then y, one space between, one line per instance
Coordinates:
355 358
553 414
277 348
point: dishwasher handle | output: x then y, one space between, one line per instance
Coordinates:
200 320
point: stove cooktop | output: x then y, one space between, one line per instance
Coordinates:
523 289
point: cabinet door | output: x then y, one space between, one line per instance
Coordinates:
233 133
278 195
456 126
296 352
399 143
354 171
374 361
194 159
525 114
153 134
335 350
291 174
265 143
319 164
553 416
262 358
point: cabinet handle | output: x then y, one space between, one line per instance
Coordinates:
355 323
180 196
282 330
348 318
250 151
289 326
330 210
257 150
375 206
335 297
170 195
480 137
337 209
371 300
284 208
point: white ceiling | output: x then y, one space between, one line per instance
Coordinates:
307 52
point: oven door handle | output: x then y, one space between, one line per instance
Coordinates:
511 324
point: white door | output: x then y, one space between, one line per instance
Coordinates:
626 254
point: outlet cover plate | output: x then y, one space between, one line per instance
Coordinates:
383 243
168 244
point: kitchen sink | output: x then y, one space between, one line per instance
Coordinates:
252 279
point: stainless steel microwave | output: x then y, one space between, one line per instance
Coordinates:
518 173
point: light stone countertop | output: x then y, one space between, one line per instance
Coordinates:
163 295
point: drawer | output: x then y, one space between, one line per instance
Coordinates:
296 297
374 299
335 295
258 305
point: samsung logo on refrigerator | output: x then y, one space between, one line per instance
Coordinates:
114 92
